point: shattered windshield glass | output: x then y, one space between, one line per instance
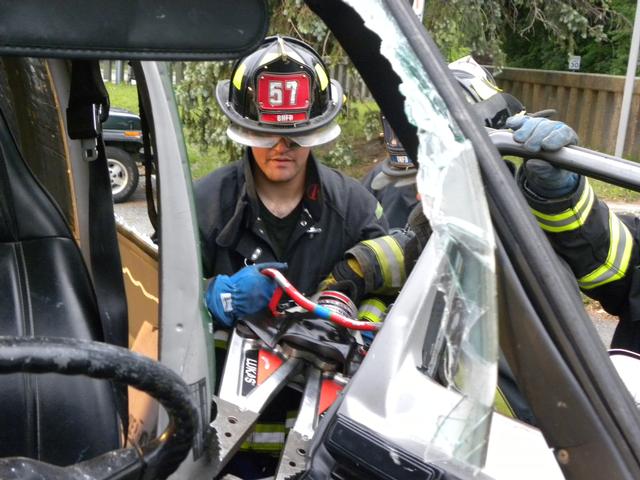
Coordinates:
460 348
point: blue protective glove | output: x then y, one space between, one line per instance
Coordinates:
243 293
368 336
548 181
541 133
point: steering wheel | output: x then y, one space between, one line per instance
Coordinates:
156 460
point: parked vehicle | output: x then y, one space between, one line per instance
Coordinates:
122 135
416 405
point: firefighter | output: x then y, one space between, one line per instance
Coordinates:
278 203
381 265
392 180
374 270
600 247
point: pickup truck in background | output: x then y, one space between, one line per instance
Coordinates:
123 139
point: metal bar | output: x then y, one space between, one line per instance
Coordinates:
185 344
231 377
296 450
629 83
119 72
262 394
236 415
577 159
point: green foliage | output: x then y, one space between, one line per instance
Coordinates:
607 53
613 193
459 27
358 120
449 23
204 161
340 155
483 27
123 96
204 123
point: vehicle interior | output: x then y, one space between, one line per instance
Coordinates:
77 287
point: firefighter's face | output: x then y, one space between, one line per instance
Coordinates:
284 162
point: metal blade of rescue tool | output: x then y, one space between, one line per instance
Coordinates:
235 419
296 449
230 428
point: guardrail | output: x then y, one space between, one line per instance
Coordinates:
590 103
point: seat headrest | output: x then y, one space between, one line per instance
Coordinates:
27 211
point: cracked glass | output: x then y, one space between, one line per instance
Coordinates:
461 345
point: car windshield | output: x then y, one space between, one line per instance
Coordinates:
122 121
460 350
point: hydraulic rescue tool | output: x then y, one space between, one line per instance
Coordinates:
307 348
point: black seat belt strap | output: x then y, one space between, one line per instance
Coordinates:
150 165
88 108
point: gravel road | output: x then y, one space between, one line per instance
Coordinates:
133 212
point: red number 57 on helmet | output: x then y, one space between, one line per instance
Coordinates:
283 98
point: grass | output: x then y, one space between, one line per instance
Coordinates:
604 191
613 193
123 96
202 162
126 96
358 120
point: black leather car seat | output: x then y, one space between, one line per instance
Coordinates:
46 290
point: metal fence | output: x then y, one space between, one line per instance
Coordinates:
351 82
590 103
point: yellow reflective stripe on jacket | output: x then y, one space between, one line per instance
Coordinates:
221 339
292 416
379 211
390 259
617 261
569 219
501 404
372 310
266 437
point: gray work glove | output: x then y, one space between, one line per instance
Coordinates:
541 133
548 181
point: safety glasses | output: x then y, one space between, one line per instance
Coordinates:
250 138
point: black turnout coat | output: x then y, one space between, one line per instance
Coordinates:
601 248
337 213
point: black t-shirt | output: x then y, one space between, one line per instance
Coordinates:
280 229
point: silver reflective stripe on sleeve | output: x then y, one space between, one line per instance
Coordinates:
266 437
617 262
390 259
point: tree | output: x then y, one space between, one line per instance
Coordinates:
608 54
204 122
447 20
564 22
